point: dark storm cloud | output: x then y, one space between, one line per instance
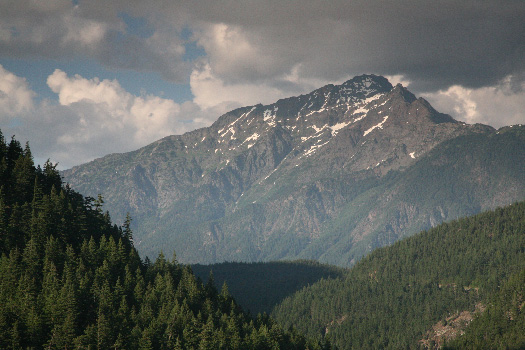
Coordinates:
93 30
433 43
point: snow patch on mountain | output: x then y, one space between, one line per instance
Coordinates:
253 137
306 138
312 149
366 102
361 117
251 110
326 99
336 127
317 111
380 126
318 130
269 116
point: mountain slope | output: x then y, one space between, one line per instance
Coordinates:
295 179
502 325
392 297
460 177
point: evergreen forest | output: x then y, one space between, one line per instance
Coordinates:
70 279
502 325
392 298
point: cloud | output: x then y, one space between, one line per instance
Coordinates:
434 44
92 118
469 47
96 30
15 95
398 79
210 90
466 58
497 105
106 114
31 29
235 54
108 108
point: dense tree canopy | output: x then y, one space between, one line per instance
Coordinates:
70 279
391 298
502 325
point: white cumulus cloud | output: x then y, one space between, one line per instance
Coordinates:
92 117
15 95
237 55
211 91
140 118
497 105
90 30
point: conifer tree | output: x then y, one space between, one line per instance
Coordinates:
126 229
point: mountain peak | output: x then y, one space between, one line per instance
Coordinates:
263 176
369 82
404 93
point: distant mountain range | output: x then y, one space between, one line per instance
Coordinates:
329 176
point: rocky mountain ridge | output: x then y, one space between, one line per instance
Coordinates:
282 180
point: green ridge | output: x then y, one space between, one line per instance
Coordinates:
392 297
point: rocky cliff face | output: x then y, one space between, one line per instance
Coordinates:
321 176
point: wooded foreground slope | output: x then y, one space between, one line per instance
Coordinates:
392 297
69 279
502 326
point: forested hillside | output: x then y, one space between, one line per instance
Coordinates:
70 279
259 287
394 296
502 326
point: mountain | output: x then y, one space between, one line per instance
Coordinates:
425 289
328 176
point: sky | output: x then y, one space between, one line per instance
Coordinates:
84 78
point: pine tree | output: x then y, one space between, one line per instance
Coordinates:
23 176
5 244
104 338
51 176
208 336
145 342
126 229
13 152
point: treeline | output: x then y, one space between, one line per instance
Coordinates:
259 287
392 297
70 279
